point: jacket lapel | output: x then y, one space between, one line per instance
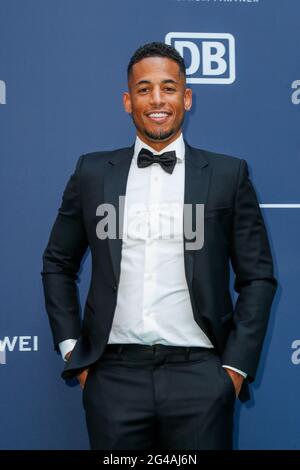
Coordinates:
114 187
197 176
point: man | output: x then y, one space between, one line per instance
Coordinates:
161 353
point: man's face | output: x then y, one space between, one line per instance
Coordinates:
157 100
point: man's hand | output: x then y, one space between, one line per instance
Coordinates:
237 380
80 377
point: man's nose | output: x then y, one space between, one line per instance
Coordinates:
157 98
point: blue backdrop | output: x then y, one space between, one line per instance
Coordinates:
62 74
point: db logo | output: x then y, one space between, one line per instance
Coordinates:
209 57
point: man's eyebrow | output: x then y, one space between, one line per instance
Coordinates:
169 80
147 82
141 82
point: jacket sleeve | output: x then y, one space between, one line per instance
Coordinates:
254 280
61 262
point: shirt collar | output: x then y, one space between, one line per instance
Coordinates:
177 145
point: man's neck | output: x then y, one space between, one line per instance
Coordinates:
158 145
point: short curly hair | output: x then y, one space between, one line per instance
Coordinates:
156 49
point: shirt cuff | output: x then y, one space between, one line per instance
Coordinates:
66 346
236 370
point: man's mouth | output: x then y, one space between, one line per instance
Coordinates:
160 116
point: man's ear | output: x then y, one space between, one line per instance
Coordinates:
127 102
188 99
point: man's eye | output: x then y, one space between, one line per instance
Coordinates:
143 90
170 89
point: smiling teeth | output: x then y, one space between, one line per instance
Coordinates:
158 115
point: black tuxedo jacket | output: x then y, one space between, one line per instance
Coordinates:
234 232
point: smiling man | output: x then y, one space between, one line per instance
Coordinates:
162 353
157 99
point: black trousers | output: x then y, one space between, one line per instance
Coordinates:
159 398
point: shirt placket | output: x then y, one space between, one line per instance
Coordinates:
151 326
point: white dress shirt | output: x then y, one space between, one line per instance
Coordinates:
153 302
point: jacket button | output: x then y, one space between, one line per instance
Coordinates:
115 288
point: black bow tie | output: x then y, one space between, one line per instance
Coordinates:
167 160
